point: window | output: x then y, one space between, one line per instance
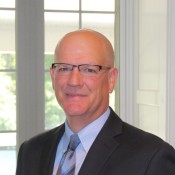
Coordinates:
7 87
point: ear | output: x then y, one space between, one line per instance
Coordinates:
113 74
52 76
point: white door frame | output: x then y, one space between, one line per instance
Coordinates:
127 66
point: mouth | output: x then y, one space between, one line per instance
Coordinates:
75 96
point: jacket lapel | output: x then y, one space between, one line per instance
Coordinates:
103 146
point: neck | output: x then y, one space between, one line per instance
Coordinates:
77 123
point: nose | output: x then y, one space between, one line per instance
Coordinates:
75 78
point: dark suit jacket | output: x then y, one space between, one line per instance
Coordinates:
119 149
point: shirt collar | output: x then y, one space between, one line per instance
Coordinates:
88 134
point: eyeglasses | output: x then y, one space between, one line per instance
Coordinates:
85 69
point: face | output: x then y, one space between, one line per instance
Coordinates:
82 96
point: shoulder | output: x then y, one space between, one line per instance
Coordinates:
143 139
135 138
151 152
158 155
47 137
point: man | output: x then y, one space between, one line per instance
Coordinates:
83 75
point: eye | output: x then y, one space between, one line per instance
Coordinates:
64 69
89 69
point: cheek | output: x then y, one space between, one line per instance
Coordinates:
99 87
92 85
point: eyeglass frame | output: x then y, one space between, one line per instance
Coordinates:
78 66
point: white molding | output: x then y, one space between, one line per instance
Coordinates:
30 68
170 127
127 44
126 60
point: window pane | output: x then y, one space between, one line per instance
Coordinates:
7 89
7 31
7 61
49 59
7 101
7 3
7 153
98 5
61 4
8 140
112 100
56 25
103 23
54 114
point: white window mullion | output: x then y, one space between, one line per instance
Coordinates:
170 129
30 68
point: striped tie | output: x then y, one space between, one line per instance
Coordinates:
67 163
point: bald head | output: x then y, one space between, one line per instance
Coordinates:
86 41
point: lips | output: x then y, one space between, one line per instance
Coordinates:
74 95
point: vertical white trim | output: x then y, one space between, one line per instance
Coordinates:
30 68
127 44
170 129
127 60
117 53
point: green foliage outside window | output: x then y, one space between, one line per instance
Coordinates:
7 92
54 114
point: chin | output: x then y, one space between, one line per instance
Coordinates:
74 111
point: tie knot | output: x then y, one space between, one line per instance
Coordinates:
74 142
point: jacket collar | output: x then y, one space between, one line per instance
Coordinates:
48 152
103 146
